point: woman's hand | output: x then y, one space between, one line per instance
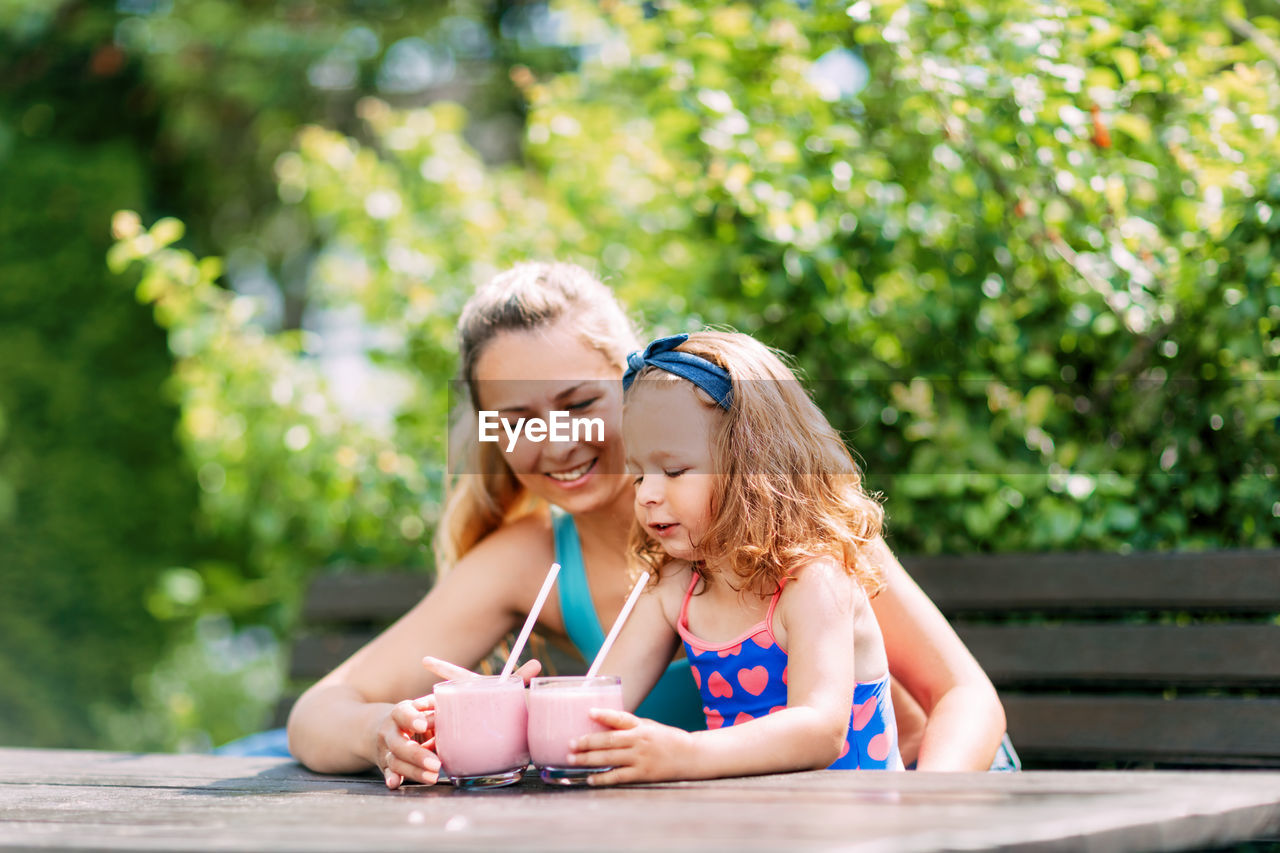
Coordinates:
637 749
452 672
405 743
405 740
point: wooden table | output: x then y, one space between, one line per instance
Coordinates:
81 800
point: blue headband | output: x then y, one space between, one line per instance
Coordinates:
662 354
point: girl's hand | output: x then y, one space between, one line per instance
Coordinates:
404 743
637 749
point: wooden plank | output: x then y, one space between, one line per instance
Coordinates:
284 705
1233 581
376 597
1225 731
316 653
1139 655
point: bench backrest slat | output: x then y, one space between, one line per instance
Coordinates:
376 597
1145 729
315 654
1142 656
1230 581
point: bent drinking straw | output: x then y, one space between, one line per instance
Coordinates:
617 624
528 623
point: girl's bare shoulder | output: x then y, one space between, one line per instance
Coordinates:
673 582
822 579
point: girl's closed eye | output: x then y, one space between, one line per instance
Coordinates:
674 472
584 404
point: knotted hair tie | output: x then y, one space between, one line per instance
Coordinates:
662 354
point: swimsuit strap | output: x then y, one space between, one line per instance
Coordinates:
765 625
684 605
773 605
576 607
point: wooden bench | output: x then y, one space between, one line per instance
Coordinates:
1153 659
1101 660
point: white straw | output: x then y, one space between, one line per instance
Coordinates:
528 623
617 624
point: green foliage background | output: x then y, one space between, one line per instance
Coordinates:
1026 253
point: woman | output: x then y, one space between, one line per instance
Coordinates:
550 337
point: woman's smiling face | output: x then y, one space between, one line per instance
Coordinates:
531 373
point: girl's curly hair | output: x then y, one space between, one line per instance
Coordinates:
788 489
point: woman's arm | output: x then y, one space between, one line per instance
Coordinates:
964 718
344 722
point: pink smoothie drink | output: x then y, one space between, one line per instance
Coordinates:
481 726
558 713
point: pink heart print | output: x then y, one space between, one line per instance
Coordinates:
863 713
728 653
754 680
714 720
697 677
718 687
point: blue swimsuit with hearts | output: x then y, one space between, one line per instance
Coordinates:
746 678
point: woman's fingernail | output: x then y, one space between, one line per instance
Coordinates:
419 725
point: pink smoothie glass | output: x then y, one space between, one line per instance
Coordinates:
558 713
481 726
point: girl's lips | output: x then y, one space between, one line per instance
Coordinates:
663 530
572 476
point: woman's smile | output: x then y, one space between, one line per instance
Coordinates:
571 476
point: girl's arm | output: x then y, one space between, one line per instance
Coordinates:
350 719
964 718
647 642
818 609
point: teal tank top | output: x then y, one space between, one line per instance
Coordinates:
675 699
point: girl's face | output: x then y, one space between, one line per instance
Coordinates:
667 432
529 374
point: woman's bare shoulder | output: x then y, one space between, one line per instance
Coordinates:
509 564
520 541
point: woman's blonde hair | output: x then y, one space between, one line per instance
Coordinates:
481 492
787 489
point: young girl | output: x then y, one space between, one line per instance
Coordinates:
753 516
